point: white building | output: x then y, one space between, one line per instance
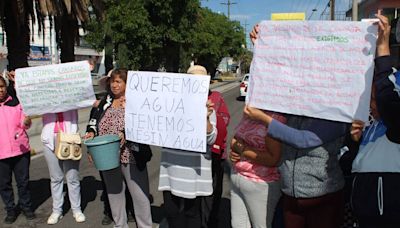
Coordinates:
44 48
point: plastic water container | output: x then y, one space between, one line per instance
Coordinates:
104 151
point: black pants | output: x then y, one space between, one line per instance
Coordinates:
18 165
104 198
181 212
376 200
217 177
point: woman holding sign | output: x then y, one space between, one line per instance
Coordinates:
109 118
311 178
255 178
54 123
186 177
375 198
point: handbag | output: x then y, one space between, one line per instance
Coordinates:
68 146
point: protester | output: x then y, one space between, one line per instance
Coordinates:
375 197
255 178
109 118
218 154
186 178
312 180
14 156
52 124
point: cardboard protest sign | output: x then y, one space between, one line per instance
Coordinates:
54 88
321 69
167 109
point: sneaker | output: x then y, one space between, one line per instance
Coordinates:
107 220
54 218
29 215
10 218
79 217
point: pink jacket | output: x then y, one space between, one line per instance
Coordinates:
13 137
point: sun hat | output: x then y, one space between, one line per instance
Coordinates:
197 69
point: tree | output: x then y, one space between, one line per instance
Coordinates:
174 25
216 37
15 17
149 34
15 20
129 32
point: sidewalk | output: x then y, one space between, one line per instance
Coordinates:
83 115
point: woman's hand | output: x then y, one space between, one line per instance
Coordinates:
356 130
89 135
235 157
210 108
121 135
27 121
254 34
90 159
11 75
257 114
237 148
382 43
96 103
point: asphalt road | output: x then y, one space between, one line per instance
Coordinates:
91 185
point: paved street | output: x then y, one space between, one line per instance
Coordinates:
91 185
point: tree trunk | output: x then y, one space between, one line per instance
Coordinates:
108 53
172 56
17 37
68 34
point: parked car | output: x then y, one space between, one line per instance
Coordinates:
243 85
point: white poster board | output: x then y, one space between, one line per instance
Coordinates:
167 109
321 69
54 88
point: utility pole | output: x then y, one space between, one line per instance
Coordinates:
229 3
245 32
354 14
332 6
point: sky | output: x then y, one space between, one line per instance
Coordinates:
250 12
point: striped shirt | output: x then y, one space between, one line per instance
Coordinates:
187 174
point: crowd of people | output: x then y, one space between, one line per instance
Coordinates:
279 162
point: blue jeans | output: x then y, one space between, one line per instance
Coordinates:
18 165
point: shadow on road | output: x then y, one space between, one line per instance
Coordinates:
90 186
40 191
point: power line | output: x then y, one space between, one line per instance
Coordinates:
314 9
245 32
228 3
326 7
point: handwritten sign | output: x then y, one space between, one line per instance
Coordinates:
320 69
54 88
167 109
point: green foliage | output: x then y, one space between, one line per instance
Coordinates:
216 37
126 22
149 34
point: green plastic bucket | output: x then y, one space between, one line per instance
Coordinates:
105 151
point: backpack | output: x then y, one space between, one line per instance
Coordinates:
223 118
